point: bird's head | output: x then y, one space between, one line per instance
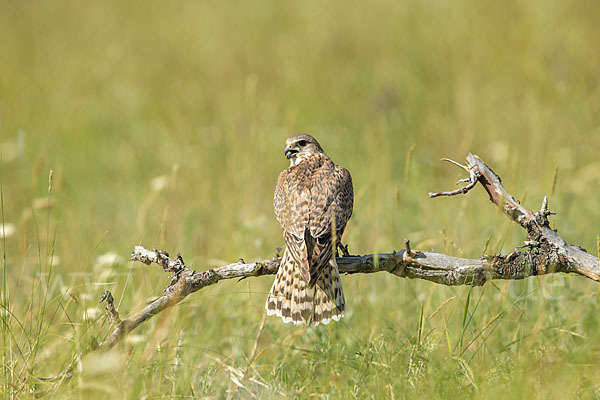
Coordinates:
301 147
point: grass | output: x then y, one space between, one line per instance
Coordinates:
164 124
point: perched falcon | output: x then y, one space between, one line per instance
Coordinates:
312 196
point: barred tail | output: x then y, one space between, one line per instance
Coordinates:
293 300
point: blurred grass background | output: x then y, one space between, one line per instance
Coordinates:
164 124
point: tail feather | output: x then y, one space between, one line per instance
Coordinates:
294 300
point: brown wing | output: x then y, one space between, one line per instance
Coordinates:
332 199
292 200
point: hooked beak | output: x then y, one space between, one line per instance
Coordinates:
289 152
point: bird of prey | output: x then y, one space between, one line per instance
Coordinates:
313 202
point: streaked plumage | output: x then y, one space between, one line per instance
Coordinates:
311 196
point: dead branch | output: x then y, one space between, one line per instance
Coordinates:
546 252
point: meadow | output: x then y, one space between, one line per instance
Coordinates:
164 125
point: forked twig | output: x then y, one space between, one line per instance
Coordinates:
472 179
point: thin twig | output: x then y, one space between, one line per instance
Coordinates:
466 168
473 178
112 312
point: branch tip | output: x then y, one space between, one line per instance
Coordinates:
545 204
113 314
456 163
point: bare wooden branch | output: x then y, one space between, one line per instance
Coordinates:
546 253
558 254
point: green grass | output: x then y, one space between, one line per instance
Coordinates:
113 95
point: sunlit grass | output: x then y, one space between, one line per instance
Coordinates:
164 125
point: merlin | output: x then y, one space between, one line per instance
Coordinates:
313 202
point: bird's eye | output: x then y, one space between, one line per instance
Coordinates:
302 143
